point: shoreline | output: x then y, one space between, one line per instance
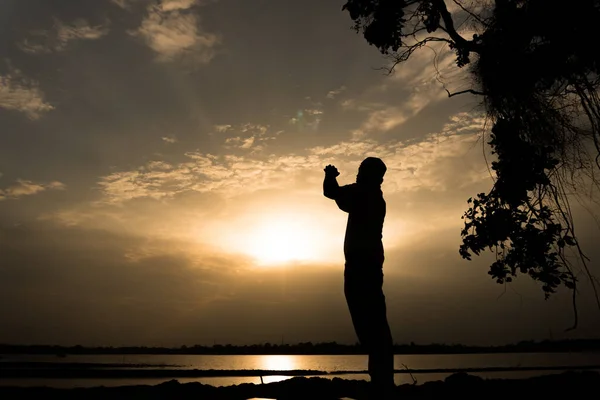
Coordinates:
557 386
287 351
309 348
28 370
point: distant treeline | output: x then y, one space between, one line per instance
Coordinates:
581 345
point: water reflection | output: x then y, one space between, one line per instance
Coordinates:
279 363
329 363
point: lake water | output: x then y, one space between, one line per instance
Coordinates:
329 363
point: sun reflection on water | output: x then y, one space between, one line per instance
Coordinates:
278 363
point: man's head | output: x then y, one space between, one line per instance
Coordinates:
371 171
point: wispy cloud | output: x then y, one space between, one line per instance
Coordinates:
427 164
120 3
437 162
332 94
240 142
384 117
171 5
313 111
27 188
476 7
22 94
222 128
60 35
254 129
247 136
309 118
169 139
228 175
433 69
423 80
172 30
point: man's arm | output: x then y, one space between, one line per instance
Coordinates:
343 195
331 187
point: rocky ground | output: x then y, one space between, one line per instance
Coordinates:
568 385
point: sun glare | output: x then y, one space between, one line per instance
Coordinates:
282 239
279 238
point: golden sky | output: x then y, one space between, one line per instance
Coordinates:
161 165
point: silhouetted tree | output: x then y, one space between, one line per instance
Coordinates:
536 66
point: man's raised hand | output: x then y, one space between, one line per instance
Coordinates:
330 170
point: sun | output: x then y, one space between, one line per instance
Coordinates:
278 238
283 239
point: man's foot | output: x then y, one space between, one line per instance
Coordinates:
382 391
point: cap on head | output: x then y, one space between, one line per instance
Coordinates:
371 170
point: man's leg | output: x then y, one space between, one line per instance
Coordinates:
366 302
358 307
381 351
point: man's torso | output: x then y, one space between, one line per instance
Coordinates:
363 242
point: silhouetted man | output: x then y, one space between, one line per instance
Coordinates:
363 274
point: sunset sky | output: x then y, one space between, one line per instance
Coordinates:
161 167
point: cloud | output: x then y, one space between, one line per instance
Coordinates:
171 5
240 142
435 163
420 82
332 94
432 69
313 111
60 35
169 139
229 175
28 188
249 136
19 93
462 19
309 118
255 129
120 3
222 128
384 117
172 30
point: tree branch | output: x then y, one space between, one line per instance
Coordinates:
463 92
449 26
472 14
407 50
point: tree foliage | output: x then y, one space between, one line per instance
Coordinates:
535 64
